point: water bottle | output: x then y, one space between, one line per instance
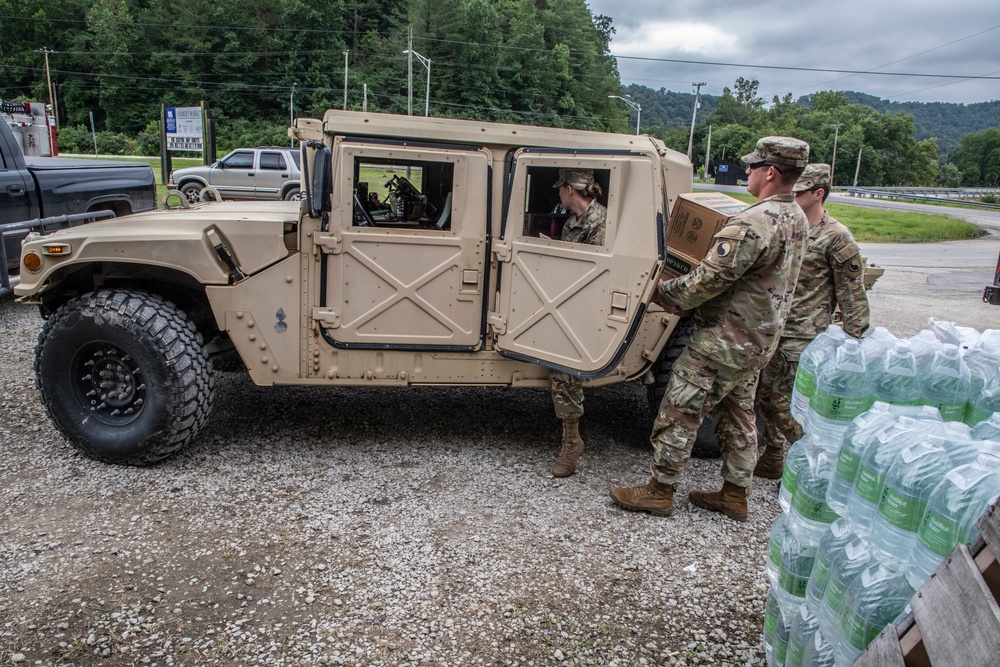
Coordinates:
772 617
855 559
863 429
988 429
780 531
793 574
874 464
771 612
810 516
985 402
842 393
815 353
953 508
819 653
871 602
779 650
804 629
831 549
946 384
894 376
796 457
876 344
913 473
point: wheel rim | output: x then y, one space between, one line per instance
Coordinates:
109 384
193 195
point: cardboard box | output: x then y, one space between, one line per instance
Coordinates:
677 264
696 217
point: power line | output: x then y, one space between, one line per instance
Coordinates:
575 53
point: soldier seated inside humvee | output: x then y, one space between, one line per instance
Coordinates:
544 216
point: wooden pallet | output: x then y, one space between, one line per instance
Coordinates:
955 618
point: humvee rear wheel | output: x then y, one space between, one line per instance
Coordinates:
124 376
706 444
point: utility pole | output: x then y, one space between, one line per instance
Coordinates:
364 97
291 113
857 170
48 79
426 62
345 79
632 105
833 162
708 150
409 72
697 98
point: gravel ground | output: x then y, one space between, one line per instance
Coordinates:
376 527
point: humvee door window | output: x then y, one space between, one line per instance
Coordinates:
544 214
272 161
403 193
239 160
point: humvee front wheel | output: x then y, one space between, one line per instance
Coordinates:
124 376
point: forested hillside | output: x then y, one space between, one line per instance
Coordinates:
542 62
946 121
514 60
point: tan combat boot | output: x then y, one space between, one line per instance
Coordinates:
572 446
655 497
771 463
731 500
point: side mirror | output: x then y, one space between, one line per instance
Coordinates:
320 181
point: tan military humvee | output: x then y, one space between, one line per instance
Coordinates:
418 256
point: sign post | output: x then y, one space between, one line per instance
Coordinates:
183 129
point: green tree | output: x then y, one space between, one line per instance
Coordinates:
978 157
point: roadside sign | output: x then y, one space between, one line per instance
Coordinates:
184 129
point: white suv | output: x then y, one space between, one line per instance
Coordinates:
266 172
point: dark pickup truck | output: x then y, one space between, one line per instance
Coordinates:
44 194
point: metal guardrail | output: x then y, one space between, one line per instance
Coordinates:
42 226
941 195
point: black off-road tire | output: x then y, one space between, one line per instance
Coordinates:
705 445
124 376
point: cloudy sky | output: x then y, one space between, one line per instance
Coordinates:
912 37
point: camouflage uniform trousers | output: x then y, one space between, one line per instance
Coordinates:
696 386
774 394
567 396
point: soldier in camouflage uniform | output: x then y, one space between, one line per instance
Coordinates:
739 296
832 276
578 193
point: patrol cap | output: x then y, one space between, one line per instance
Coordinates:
578 179
779 151
816 175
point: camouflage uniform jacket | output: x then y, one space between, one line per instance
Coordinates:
588 227
741 292
832 274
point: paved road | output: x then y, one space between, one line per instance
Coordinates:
988 220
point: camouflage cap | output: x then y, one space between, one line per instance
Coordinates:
577 178
815 175
779 151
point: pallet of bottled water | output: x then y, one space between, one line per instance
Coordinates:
900 457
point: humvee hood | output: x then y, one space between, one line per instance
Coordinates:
253 233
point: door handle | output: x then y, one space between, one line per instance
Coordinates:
284 175
15 190
250 174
